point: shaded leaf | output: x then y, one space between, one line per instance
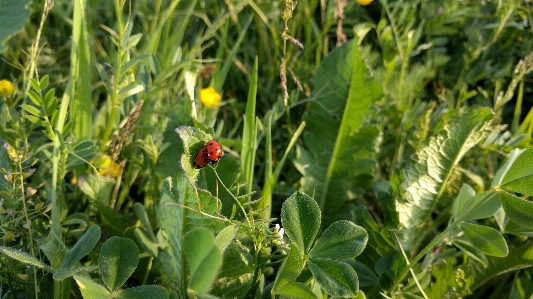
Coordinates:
290 269
142 292
335 277
204 259
300 217
517 209
84 245
117 260
14 14
486 239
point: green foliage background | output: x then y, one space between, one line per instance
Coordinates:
391 142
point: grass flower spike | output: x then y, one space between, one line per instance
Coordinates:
6 88
210 97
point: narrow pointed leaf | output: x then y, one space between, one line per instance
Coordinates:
300 217
469 206
486 239
335 277
341 240
84 245
25 258
425 178
466 246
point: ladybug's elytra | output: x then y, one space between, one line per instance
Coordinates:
214 151
201 159
210 153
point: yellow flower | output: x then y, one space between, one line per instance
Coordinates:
364 2
106 166
209 97
6 88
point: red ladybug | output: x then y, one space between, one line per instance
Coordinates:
201 159
214 151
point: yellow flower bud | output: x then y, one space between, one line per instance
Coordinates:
209 97
364 2
6 88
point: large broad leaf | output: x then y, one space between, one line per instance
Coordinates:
178 212
14 14
517 173
204 259
339 154
300 217
425 178
341 240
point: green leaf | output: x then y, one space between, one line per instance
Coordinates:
466 246
80 71
90 289
35 120
193 140
249 134
341 240
449 280
518 258
82 152
236 275
64 273
469 206
84 245
204 259
35 97
176 220
516 174
296 290
519 210
426 177
130 90
366 276
25 258
97 187
14 15
339 154
117 260
300 216
486 239
290 269
142 292
226 236
32 110
335 277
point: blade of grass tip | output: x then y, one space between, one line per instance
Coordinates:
269 186
218 81
518 107
249 135
81 111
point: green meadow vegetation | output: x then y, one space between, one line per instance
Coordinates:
371 149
